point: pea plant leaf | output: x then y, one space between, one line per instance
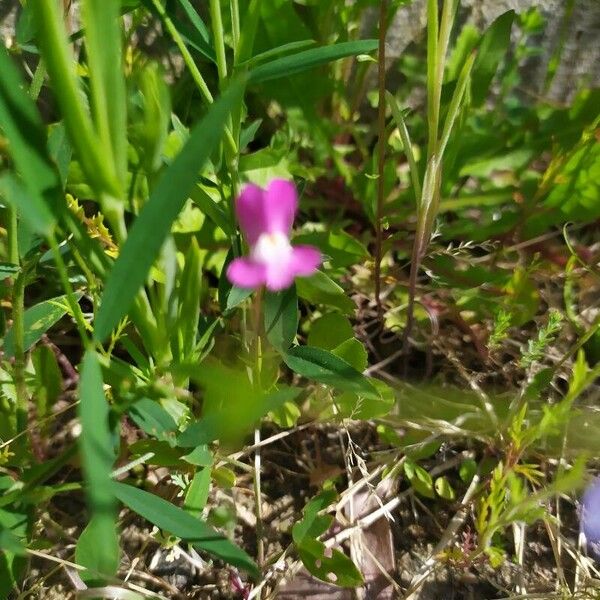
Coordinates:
281 317
181 523
98 547
327 368
37 320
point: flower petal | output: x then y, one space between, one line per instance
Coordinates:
302 261
305 260
246 273
280 275
281 205
251 213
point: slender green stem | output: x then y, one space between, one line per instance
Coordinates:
18 327
12 231
248 32
71 297
191 65
381 156
185 53
257 348
235 24
433 106
219 38
436 62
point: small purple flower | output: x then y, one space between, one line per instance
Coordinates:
266 218
590 515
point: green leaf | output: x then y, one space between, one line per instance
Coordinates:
98 547
286 415
100 544
356 406
354 353
248 409
281 317
101 20
467 470
60 63
196 35
312 524
22 125
154 222
190 289
180 523
321 289
330 331
153 419
419 479
302 61
492 49
197 494
200 456
324 367
330 566
11 543
31 208
37 320
444 489
341 248
48 380
213 210
278 51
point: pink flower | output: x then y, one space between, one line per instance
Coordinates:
266 218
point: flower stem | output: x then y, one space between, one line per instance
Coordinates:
235 24
71 297
18 326
219 38
191 65
256 377
381 158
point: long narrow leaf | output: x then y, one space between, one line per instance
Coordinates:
61 68
154 222
98 456
404 135
492 49
21 123
177 521
103 45
302 61
456 102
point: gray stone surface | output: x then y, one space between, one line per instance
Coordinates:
577 33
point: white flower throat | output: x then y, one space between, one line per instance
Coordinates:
272 248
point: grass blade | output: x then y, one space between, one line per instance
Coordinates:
61 68
154 222
107 83
21 123
405 137
99 544
492 49
302 61
456 102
